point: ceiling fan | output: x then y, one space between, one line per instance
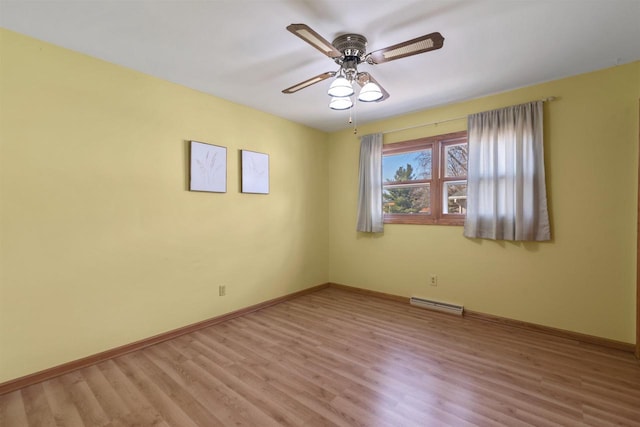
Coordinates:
350 50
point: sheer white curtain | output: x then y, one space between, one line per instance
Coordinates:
506 197
370 189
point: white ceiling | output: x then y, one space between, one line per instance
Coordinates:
239 49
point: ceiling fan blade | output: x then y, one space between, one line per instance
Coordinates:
364 78
309 82
415 46
314 39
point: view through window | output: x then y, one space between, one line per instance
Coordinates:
425 180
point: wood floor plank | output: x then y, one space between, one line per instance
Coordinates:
161 401
140 411
263 404
339 358
303 361
437 411
305 390
64 410
289 410
111 402
36 407
170 383
222 404
194 345
12 410
238 404
84 400
216 397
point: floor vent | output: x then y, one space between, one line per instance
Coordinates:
436 305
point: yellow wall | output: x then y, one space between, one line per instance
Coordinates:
101 243
582 281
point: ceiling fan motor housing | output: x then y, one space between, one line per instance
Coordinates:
352 46
354 49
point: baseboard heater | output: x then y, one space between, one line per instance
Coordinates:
437 306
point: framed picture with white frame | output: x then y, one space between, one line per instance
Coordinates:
208 168
255 172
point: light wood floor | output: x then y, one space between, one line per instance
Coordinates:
339 358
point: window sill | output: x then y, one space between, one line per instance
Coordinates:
422 220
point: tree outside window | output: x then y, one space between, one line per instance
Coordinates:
425 180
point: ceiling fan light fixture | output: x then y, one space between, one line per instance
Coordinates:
340 103
340 87
370 92
348 51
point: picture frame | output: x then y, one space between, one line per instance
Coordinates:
255 172
208 168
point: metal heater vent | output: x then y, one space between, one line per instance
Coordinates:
437 306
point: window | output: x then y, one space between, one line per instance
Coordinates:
424 181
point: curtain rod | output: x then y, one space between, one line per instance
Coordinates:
551 98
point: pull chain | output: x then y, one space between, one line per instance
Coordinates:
355 115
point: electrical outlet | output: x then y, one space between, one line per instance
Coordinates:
433 280
222 290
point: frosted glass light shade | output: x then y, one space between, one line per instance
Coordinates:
370 92
340 87
340 103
